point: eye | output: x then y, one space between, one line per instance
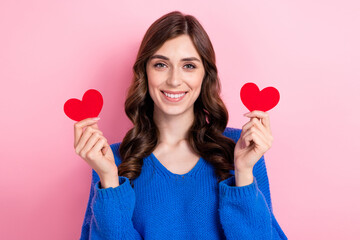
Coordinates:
190 66
161 65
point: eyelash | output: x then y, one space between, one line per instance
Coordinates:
193 66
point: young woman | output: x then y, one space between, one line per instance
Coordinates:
179 173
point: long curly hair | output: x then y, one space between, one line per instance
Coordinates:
211 116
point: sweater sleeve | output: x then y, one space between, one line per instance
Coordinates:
246 212
109 211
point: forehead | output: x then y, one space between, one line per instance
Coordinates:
179 47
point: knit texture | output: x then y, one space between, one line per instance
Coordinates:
160 204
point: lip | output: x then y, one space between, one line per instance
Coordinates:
172 92
173 99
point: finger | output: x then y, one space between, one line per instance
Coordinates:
106 148
259 140
264 133
84 138
245 136
247 139
255 124
78 128
254 121
90 143
266 121
100 145
246 126
258 145
264 116
92 125
95 125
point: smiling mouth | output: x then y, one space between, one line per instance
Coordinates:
178 92
174 96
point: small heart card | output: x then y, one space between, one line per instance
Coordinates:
254 99
89 107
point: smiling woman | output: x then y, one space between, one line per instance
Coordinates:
174 96
176 165
178 80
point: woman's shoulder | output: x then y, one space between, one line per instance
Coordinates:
233 133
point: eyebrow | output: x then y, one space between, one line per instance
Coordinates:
166 58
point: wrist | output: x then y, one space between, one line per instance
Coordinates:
109 181
243 178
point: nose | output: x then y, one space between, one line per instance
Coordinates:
174 78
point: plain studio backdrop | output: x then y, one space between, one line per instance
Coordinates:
51 51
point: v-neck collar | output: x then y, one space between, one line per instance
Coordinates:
164 171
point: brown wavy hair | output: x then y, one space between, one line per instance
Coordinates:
211 116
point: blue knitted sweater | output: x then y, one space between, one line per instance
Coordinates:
163 205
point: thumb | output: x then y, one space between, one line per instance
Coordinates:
95 126
105 149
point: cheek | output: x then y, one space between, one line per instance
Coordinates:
151 91
153 84
197 80
151 76
155 77
151 87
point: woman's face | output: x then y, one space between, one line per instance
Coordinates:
174 69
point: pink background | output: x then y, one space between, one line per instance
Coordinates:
55 50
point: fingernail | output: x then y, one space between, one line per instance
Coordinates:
246 113
95 119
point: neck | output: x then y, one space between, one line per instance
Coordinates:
173 128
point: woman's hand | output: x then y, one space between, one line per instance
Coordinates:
254 141
92 146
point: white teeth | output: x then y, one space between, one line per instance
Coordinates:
174 95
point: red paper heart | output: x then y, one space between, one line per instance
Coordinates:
254 99
89 107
